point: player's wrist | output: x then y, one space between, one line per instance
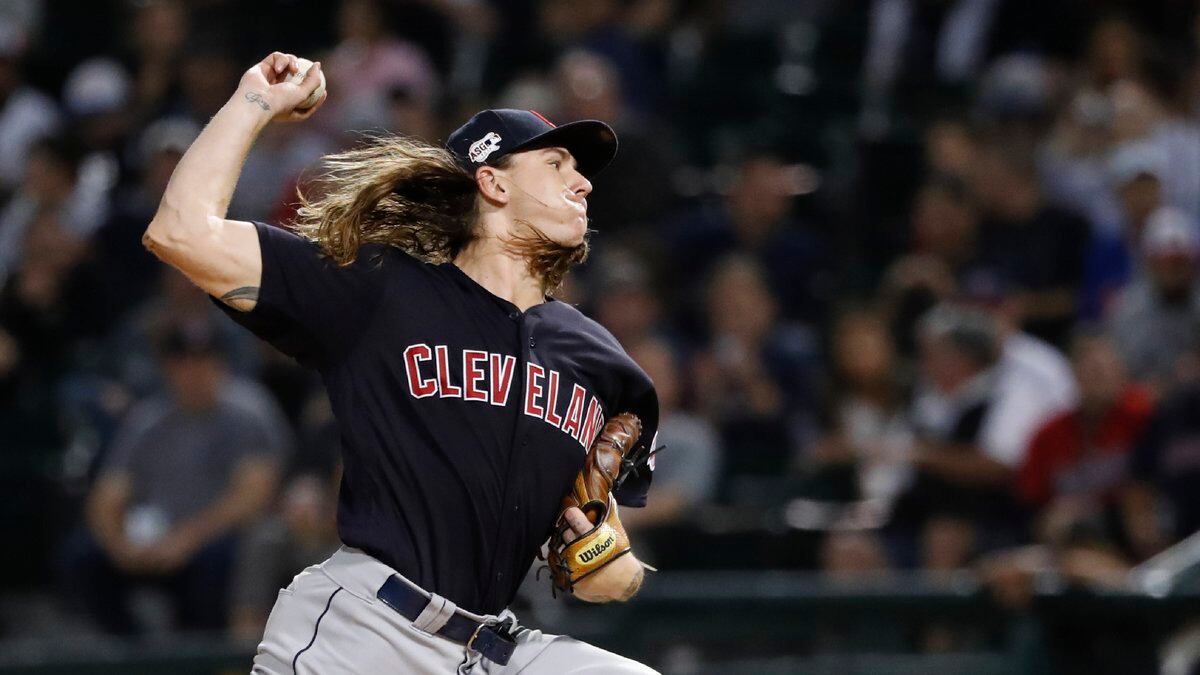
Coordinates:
252 105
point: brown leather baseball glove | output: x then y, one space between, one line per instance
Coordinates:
606 464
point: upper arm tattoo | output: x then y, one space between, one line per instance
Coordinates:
244 293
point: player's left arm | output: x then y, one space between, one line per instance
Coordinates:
619 580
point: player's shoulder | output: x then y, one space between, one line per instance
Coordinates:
572 318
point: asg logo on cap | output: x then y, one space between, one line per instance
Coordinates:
480 149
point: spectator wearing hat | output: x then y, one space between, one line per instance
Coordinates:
97 96
189 468
1157 319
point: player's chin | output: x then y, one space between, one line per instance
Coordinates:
570 234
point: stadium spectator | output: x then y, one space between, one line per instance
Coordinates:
754 377
48 184
1156 320
368 63
1035 248
625 300
1112 253
157 38
754 218
1078 463
961 496
132 270
869 435
1163 505
45 312
687 473
26 113
189 468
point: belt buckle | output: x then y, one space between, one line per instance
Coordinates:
501 628
471 642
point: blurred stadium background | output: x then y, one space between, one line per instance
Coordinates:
917 280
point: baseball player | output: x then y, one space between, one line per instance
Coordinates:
417 283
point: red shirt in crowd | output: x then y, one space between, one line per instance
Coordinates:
1067 458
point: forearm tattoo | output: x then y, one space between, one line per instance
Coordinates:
243 293
255 97
634 584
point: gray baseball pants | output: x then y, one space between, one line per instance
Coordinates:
328 621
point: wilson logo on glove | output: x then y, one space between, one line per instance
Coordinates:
591 553
607 463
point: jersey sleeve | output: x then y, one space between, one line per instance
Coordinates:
642 400
309 307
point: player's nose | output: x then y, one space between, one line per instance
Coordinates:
580 185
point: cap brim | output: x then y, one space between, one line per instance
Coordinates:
592 143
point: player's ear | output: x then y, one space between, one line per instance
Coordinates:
490 186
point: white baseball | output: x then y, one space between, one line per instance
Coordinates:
302 66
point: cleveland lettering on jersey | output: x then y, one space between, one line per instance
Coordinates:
487 377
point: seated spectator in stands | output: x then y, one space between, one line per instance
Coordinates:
188 470
945 223
685 475
1156 320
1112 253
97 97
945 258
625 300
1034 382
1038 249
1163 504
754 377
52 305
1078 463
48 183
754 218
371 61
26 113
132 269
961 497
869 434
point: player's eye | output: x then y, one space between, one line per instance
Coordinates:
556 163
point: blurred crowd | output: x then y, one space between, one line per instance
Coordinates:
916 280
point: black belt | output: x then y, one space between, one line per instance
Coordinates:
492 640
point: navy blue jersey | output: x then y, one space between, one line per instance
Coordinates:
463 420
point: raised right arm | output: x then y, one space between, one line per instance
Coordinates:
190 231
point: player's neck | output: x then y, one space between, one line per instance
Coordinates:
503 274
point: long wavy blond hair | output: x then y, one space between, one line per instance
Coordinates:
406 193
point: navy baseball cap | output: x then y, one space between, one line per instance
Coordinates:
492 134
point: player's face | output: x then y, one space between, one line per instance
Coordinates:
547 191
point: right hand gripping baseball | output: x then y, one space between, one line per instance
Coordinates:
266 84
